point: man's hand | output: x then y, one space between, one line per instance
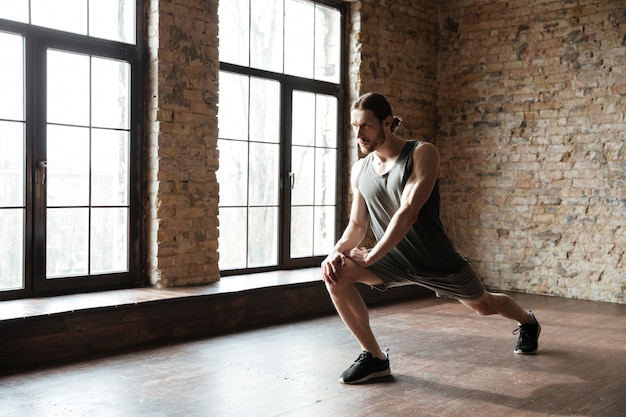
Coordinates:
360 256
332 266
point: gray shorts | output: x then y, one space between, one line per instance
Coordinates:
462 285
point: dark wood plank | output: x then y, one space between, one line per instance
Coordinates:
102 323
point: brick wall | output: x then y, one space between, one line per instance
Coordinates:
181 226
392 49
532 104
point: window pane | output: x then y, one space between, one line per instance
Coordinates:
325 176
299 42
303 118
68 166
264 175
263 236
266 35
67 242
326 121
11 76
109 167
324 228
301 232
264 110
12 249
66 15
233 107
109 240
68 88
232 175
12 145
234 34
16 10
327 44
232 247
302 163
114 20
110 93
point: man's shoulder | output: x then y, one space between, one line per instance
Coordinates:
423 147
359 163
357 167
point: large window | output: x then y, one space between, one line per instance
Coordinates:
279 121
69 140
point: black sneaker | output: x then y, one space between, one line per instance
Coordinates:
527 343
364 368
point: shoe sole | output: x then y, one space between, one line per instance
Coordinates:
521 352
532 352
378 374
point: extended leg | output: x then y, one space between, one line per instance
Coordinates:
502 304
528 327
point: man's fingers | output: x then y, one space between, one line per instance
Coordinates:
330 278
332 268
329 272
339 262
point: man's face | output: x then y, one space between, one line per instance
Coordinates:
368 130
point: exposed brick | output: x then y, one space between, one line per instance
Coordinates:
181 231
568 81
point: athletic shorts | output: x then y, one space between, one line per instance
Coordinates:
462 285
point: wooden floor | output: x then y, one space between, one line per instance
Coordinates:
445 361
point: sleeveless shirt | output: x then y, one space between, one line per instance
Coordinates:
426 249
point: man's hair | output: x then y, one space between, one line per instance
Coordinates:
379 105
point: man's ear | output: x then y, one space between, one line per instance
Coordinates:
388 121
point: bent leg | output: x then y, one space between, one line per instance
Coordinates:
502 304
352 308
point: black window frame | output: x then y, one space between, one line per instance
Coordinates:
37 40
289 83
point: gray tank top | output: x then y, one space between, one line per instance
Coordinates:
426 249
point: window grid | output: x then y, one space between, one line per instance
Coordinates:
37 40
231 64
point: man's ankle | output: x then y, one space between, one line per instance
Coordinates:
531 318
383 355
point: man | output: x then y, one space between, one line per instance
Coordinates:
396 192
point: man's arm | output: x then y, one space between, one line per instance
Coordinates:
415 194
353 234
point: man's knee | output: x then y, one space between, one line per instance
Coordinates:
484 309
484 306
337 287
344 277
349 275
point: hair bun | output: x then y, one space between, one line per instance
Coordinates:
396 122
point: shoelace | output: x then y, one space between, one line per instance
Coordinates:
521 329
362 357
365 355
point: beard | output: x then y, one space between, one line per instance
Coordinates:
368 146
